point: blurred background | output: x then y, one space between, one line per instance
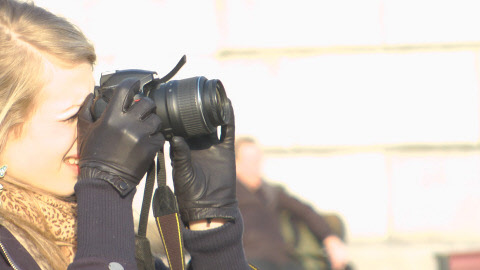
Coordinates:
369 109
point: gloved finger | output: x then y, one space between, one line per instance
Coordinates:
143 108
123 96
181 162
153 124
156 143
84 114
159 140
180 150
228 130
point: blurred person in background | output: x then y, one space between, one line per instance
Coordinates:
263 205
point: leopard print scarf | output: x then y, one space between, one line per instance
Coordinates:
52 215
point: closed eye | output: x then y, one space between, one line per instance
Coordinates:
71 119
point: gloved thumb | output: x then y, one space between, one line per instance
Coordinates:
180 152
84 114
84 121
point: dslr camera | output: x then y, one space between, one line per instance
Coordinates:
188 107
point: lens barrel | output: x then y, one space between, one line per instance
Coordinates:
191 107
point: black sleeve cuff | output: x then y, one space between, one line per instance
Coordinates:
218 248
105 227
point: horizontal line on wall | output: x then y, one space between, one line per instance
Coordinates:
404 148
232 53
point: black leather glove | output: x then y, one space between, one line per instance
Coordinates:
204 175
119 146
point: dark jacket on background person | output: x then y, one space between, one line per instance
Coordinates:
261 210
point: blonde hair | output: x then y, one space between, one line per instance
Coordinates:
30 37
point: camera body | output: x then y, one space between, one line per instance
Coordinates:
188 107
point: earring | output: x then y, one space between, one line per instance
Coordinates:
3 171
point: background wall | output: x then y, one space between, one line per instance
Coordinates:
366 108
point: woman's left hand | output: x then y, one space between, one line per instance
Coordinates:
204 175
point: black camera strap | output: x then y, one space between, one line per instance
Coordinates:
143 253
167 217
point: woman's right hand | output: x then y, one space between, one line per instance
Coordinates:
121 144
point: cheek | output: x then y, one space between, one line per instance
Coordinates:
38 156
54 141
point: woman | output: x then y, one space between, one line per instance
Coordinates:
68 181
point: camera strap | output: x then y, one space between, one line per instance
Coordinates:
143 253
167 217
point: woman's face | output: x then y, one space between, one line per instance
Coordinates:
45 154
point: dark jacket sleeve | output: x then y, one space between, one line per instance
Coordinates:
106 234
219 248
302 211
105 228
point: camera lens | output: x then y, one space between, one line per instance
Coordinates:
188 108
191 107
